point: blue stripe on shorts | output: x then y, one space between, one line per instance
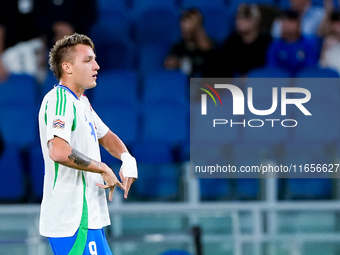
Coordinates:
96 243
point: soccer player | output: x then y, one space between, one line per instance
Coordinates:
74 206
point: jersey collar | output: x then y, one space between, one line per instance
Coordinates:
66 88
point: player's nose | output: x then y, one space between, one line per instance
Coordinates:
96 66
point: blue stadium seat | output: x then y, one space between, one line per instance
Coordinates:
323 84
151 56
109 5
164 86
248 184
144 5
262 88
152 153
270 133
112 26
215 189
20 89
157 182
213 145
313 140
215 15
247 189
37 171
161 25
115 54
321 88
311 189
235 3
322 127
115 87
217 22
317 72
307 153
11 175
268 72
111 161
114 49
184 151
121 119
251 154
165 123
285 4
297 186
19 125
202 131
48 84
202 3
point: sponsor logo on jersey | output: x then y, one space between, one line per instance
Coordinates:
59 124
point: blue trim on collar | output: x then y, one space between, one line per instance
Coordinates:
64 87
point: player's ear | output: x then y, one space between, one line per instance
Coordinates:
66 66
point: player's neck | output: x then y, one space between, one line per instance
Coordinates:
77 90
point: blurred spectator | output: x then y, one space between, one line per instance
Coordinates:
311 17
246 48
21 48
195 49
269 13
292 51
57 18
325 26
331 45
26 24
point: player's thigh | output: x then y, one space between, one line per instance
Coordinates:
62 245
96 243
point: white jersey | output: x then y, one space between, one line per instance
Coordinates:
70 196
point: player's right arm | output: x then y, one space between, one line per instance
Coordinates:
61 152
60 120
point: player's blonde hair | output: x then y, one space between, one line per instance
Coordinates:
63 51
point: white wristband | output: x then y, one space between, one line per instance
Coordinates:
129 165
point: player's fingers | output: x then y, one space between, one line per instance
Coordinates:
127 186
124 181
120 185
102 186
112 189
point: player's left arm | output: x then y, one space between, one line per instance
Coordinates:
128 171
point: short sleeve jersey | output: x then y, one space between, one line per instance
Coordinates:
70 197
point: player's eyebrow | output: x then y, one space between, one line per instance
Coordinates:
90 57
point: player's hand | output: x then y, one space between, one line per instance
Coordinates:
127 181
128 171
111 181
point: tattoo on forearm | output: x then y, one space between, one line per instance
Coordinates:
79 159
96 163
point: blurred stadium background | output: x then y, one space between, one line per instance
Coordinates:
148 107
